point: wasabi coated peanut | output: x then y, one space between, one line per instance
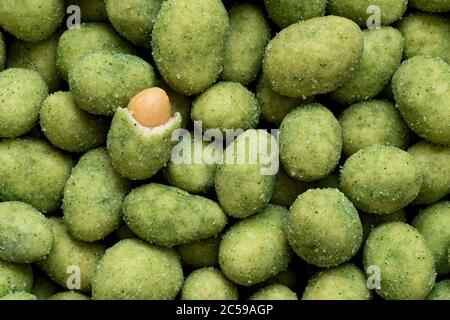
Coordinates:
381 179
102 82
91 10
37 56
426 34
255 249
68 295
189 54
431 5
310 142
422 90
274 107
20 295
68 127
345 282
287 12
433 161
406 264
93 197
287 189
34 172
226 105
208 284
373 122
323 227
22 93
383 51
25 234
135 270
15 277
357 10
370 221
138 152
244 187
74 44
200 253
168 216
294 69
70 257
134 19
244 47
434 224
441 291
191 175
274 292
2 52
31 20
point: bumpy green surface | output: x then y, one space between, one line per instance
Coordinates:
102 82
431 5
406 264
434 224
255 249
201 253
190 172
20 295
134 270
134 19
188 42
422 90
34 172
391 10
373 122
68 127
74 44
138 152
346 282
323 227
244 183
226 105
91 10
441 291
274 292
381 179
37 56
426 34
208 284
313 56
168 216
25 234
68 295
31 20
310 142
434 162
383 51
67 255
15 277
287 189
287 12
245 45
22 93
274 107
93 197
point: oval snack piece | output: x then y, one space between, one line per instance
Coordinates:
244 182
294 70
274 292
255 249
25 234
135 270
93 197
287 12
174 217
188 42
401 255
15 277
34 172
